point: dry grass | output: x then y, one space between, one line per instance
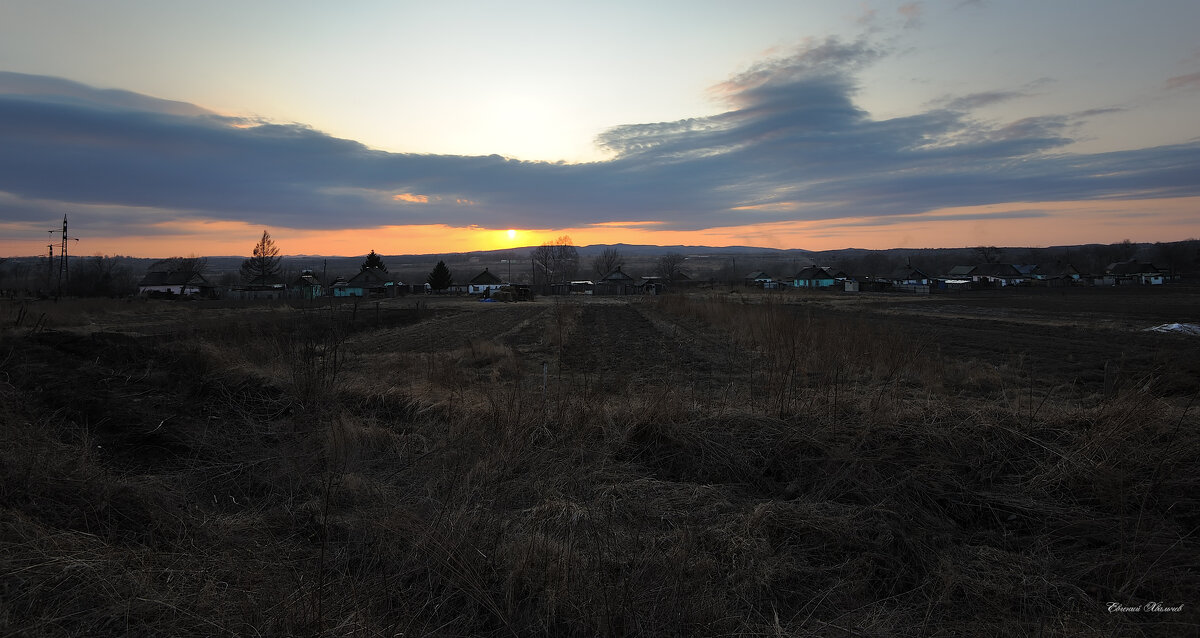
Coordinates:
240 483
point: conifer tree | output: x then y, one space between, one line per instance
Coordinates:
264 263
439 277
373 261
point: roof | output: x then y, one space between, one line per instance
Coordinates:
1056 269
263 281
616 276
996 270
813 272
178 278
1131 267
906 274
307 278
371 278
485 278
961 271
758 274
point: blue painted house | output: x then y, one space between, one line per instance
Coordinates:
813 277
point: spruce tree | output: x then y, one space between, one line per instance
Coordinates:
439 277
373 261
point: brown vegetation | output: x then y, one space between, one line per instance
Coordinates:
692 466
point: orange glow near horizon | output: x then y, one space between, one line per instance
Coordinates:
1061 223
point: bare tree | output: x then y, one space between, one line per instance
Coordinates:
668 265
1176 256
566 258
989 254
543 263
607 261
1124 250
103 276
557 261
264 263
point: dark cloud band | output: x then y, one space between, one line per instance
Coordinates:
792 146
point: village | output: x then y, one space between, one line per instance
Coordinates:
376 281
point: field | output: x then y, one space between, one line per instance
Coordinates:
718 463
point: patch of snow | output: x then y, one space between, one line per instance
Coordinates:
1180 328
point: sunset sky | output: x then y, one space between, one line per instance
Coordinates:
168 128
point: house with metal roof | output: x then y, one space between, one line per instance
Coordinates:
161 283
813 277
484 283
369 282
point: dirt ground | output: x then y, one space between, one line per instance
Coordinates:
1085 337
400 468
1092 340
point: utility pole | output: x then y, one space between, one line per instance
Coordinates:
64 271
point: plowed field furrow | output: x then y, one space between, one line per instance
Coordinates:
446 329
619 340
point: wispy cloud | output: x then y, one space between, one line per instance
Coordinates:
979 100
792 145
1190 81
911 11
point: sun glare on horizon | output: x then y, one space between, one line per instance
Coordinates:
512 234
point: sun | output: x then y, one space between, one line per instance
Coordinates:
512 234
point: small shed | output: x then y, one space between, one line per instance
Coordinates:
759 279
306 286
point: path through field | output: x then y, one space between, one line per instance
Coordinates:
630 342
445 328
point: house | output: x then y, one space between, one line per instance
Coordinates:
260 287
989 275
370 282
616 282
161 283
306 286
1135 272
759 279
909 276
484 283
342 288
1056 274
813 277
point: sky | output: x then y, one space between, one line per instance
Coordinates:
164 128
